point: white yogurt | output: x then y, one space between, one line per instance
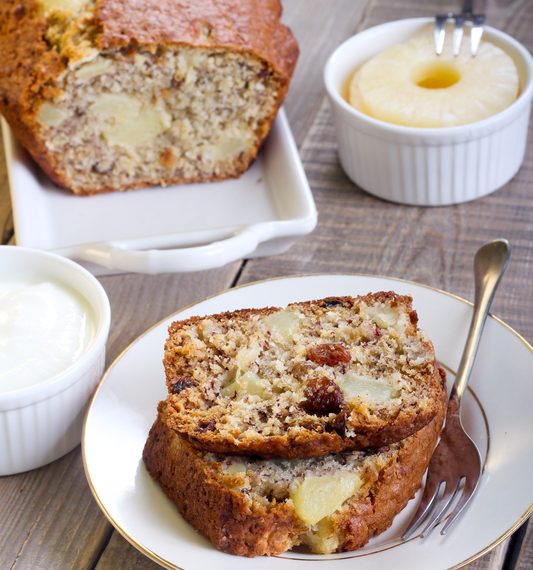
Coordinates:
44 328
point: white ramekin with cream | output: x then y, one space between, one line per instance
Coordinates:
426 166
54 324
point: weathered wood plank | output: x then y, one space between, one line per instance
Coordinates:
319 29
525 555
49 519
120 554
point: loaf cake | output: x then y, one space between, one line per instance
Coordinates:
317 377
250 507
110 95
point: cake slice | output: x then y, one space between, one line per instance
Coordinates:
313 378
109 95
254 507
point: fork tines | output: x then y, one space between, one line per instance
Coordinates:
476 22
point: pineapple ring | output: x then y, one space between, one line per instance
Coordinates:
409 85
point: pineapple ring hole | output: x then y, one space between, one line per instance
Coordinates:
436 75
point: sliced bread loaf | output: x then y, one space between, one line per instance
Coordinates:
314 378
257 507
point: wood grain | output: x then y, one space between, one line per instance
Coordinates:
49 518
120 554
318 36
525 554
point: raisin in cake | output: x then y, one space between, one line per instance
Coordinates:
116 94
252 507
313 378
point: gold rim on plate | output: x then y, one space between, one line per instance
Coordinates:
168 565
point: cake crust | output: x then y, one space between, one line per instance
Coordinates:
201 354
218 512
238 525
251 26
27 70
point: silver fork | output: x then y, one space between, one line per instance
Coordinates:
456 463
466 16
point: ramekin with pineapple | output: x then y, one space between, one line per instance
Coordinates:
417 128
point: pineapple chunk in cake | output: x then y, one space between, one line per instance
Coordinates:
317 497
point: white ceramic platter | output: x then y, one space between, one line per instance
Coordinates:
497 413
173 229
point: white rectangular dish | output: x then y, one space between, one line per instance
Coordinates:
173 229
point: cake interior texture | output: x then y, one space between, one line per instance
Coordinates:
189 113
341 365
320 490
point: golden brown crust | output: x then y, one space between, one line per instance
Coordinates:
251 26
28 69
314 437
237 525
30 65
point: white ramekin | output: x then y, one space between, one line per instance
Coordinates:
433 166
42 422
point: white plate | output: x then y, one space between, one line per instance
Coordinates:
498 417
207 225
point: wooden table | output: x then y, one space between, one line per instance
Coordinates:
48 517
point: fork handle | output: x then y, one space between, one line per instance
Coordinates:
490 263
468 7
